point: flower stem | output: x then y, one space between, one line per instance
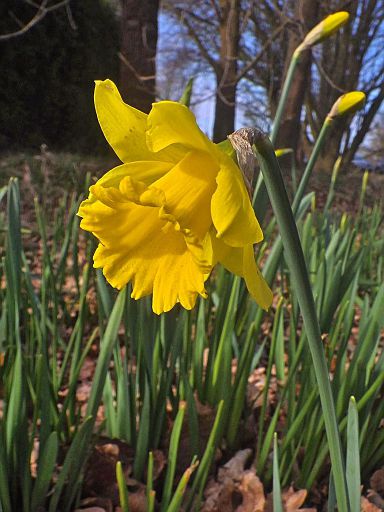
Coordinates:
260 196
284 95
300 280
311 163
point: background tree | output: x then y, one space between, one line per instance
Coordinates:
41 10
373 148
139 32
46 87
354 62
226 68
267 35
214 27
347 61
305 16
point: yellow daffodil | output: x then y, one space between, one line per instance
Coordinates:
175 207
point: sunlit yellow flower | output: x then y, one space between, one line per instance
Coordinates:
175 207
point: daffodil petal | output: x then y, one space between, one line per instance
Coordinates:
241 261
256 284
138 246
188 188
230 257
170 123
124 126
231 208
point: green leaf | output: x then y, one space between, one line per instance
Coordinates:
46 466
277 499
123 492
353 457
187 93
71 464
172 457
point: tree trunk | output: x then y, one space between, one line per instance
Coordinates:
227 70
139 29
289 132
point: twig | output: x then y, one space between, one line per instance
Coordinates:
42 10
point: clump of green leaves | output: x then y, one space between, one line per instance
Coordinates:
162 361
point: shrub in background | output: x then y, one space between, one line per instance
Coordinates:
48 74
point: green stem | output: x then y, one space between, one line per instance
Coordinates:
260 196
299 277
284 95
311 163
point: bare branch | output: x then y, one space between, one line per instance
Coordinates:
42 10
193 34
139 78
261 53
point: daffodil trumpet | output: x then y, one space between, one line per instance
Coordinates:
175 208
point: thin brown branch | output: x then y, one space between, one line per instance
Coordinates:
205 53
139 78
42 10
265 46
326 76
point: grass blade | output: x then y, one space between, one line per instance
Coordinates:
277 499
123 493
172 457
47 462
353 457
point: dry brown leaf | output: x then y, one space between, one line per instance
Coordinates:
235 466
95 505
375 498
252 492
159 462
367 506
292 500
220 495
236 489
100 475
138 501
377 481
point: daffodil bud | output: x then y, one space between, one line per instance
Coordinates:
347 104
313 203
364 182
283 151
324 29
335 170
343 222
